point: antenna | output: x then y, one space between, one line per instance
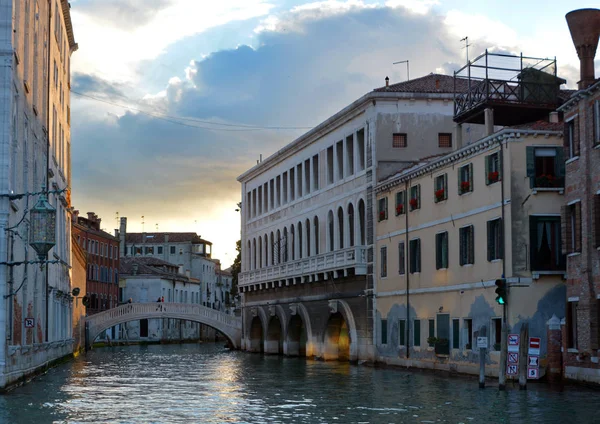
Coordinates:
466 40
407 68
142 223
157 227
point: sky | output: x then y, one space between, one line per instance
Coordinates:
173 99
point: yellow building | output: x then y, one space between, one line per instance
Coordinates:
488 210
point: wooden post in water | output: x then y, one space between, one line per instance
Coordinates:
482 355
503 354
524 344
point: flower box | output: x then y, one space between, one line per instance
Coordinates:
440 195
493 177
546 180
465 187
399 209
414 203
381 215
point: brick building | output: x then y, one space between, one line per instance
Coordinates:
581 210
102 282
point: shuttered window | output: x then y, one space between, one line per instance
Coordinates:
596 122
545 244
402 332
494 239
440 188
383 261
493 172
465 179
546 167
417 332
383 203
431 332
384 331
441 250
467 248
401 259
415 255
596 221
400 202
571 228
571 138
455 334
415 197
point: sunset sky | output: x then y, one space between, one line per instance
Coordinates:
173 99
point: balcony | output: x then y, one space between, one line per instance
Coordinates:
352 258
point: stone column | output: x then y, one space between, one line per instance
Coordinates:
554 337
488 114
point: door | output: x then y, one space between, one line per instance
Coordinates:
143 328
443 334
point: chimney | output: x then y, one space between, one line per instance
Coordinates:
387 81
554 117
584 25
437 84
90 216
122 235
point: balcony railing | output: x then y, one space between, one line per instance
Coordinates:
352 257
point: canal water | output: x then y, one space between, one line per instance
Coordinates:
205 383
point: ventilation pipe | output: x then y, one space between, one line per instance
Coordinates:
584 25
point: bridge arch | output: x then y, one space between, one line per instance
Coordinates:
256 331
229 325
299 335
340 340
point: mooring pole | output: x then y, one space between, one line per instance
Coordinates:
524 344
482 355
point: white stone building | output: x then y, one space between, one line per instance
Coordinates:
36 43
147 279
308 218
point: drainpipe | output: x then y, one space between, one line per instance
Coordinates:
503 220
407 269
48 153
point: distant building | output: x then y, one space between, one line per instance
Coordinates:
449 227
102 249
79 283
36 43
581 209
148 279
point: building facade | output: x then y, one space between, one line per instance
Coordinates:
448 228
308 219
102 249
78 282
36 43
581 210
148 279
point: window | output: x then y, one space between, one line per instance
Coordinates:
292 185
415 255
400 202
445 140
384 261
150 250
596 220
431 333
339 152
417 332
441 250
299 178
546 167
402 332
315 170
467 248
571 138
572 325
159 250
465 179
350 154
415 197
384 331
330 165
440 188
571 227
401 259
494 239
172 250
285 187
493 172
360 149
596 122
399 140
382 210
469 331
307 176
455 334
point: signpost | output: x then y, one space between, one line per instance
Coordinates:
533 358
29 322
534 345
512 370
482 342
513 358
513 343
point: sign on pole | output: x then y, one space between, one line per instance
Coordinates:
29 322
513 358
534 345
532 372
482 342
511 369
513 343
534 361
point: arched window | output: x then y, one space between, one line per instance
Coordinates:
249 257
299 240
361 221
330 230
283 246
308 249
254 254
351 224
266 246
293 242
316 233
272 249
260 251
341 227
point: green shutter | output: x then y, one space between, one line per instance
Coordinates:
490 241
455 334
487 169
559 162
418 264
418 196
501 235
531 165
384 331
462 247
445 186
417 332
431 329
445 250
471 177
438 251
402 332
472 245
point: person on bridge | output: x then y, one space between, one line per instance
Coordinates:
162 299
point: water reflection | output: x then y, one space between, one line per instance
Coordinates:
205 384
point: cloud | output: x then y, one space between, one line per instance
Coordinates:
127 14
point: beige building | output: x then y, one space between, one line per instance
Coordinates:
489 209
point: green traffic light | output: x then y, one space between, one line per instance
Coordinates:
500 300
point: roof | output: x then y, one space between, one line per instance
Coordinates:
66 7
540 125
149 266
137 238
99 233
432 83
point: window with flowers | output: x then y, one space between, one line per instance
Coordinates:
415 197
546 167
382 210
492 168
400 202
465 179
440 188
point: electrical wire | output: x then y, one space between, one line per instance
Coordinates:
176 119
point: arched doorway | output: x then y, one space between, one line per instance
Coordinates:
336 341
274 343
296 338
256 336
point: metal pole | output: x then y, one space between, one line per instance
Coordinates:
482 356
524 344
503 354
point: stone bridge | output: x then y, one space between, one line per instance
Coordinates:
229 325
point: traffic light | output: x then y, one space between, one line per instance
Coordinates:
501 291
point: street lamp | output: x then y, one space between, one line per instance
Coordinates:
42 218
